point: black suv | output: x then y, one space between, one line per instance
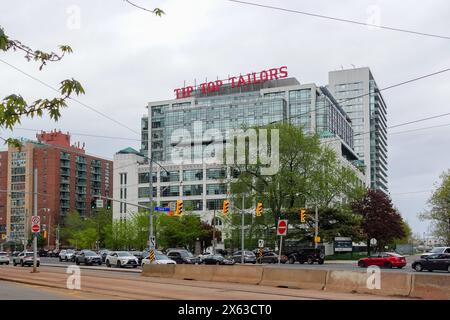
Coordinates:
183 256
309 255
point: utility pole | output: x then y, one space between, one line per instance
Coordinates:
214 231
316 229
242 230
57 238
150 180
49 226
35 213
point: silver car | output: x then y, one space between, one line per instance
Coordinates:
25 258
4 258
67 255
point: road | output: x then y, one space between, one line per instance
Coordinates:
328 265
18 291
130 285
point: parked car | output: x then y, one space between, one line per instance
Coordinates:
67 255
103 254
43 253
308 255
139 255
25 258
436 261
160 258
271 257
88 257
217 259
53 253
4 258
15 253
383 259
183 256
436 250
249 257
121 259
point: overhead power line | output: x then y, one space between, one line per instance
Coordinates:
71 98
315 15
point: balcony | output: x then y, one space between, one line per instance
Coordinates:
65 204
96 178
64 180
81 167
64 196
65 172
65 156
64 188
80 198
81 160
65 164
96 170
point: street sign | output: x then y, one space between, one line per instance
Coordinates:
260 243
282 227
373 241
35 224
164 209
99 203
152 242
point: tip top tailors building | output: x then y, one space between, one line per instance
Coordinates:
255 99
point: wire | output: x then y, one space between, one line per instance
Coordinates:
84 135
341 20
71 98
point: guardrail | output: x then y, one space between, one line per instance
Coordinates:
430 286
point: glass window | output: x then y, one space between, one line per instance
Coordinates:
216 174
193 190
216 189
143 192
170 176
193 175
143 177
172 191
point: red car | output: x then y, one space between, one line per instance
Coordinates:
383 259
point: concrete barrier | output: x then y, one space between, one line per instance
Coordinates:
159 270
238 274
391 284
294 278
431 286
194 272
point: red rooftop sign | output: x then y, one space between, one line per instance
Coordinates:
236 82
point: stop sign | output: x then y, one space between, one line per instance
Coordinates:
35 228
282 227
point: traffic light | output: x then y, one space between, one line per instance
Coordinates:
259 208
93 203
45 234
108 204
226 204
302 215
179 209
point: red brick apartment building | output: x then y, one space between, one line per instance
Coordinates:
68 180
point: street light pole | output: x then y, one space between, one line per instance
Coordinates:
242 230
316 228
214 231
150 179
35 213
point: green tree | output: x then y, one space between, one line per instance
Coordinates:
309 175
180 231
14 106
439 213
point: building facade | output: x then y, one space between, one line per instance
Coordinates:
3 194
68 179
202 186
360 97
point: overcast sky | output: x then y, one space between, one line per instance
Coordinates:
126 57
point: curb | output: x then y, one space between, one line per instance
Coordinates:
92 268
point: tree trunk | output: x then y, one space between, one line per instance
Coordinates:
368 246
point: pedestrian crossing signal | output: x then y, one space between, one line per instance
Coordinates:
259 208
179 208
226 204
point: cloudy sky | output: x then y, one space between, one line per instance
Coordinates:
125 57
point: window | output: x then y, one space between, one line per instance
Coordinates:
123 178
143 192
172 191
143 177
216 174
193 175
216 189
194 190
170 176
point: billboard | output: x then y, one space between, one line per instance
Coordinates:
343 244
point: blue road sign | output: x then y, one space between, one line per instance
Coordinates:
162 209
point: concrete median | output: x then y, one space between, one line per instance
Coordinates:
194 272
390 284
238 274
431 286
158 270
294 278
